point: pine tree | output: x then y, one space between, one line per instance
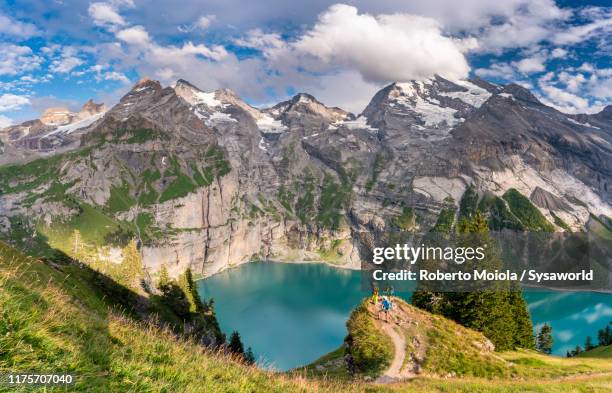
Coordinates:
577 350
249 357
497 310
588 344
523 337
78 247
428 301
545 340
163 279
235 344
131 269
191 291
484 308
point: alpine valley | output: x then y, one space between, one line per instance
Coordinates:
203 180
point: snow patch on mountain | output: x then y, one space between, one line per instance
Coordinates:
414 88
207 99
415 96
474 96
269 125
77 125
360 123
221 117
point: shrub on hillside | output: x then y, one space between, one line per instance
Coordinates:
370 349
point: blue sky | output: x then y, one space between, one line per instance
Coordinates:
62 52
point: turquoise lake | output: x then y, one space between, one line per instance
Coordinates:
291 314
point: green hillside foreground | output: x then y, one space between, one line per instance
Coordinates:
55 318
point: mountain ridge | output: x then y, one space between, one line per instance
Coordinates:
207 181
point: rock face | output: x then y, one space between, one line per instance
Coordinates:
206 181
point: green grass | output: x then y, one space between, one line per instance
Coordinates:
179 187
27 177
526 212
604 352
560 223
370 348
92 223
120 198
499 216
329 365
57 319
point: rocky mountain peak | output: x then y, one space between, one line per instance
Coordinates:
56 116
193 95
208 103
430 107
303 104
605 114
90 108
146 86
521 93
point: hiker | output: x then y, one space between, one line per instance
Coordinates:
386 307
375 295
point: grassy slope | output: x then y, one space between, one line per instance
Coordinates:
446 348
599 352
55 320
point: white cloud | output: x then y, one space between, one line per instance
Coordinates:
11 102
530 65
17 28
65 64
136 35
558 53
572 82
564 335
204 21
497 71
581 33
268 43
565 101
586 67
16 59
515 23
584 89
105 14
5 121
116 76
139 37
383 48
67 61
168 53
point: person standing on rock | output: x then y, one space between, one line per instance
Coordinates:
386 307
375 295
